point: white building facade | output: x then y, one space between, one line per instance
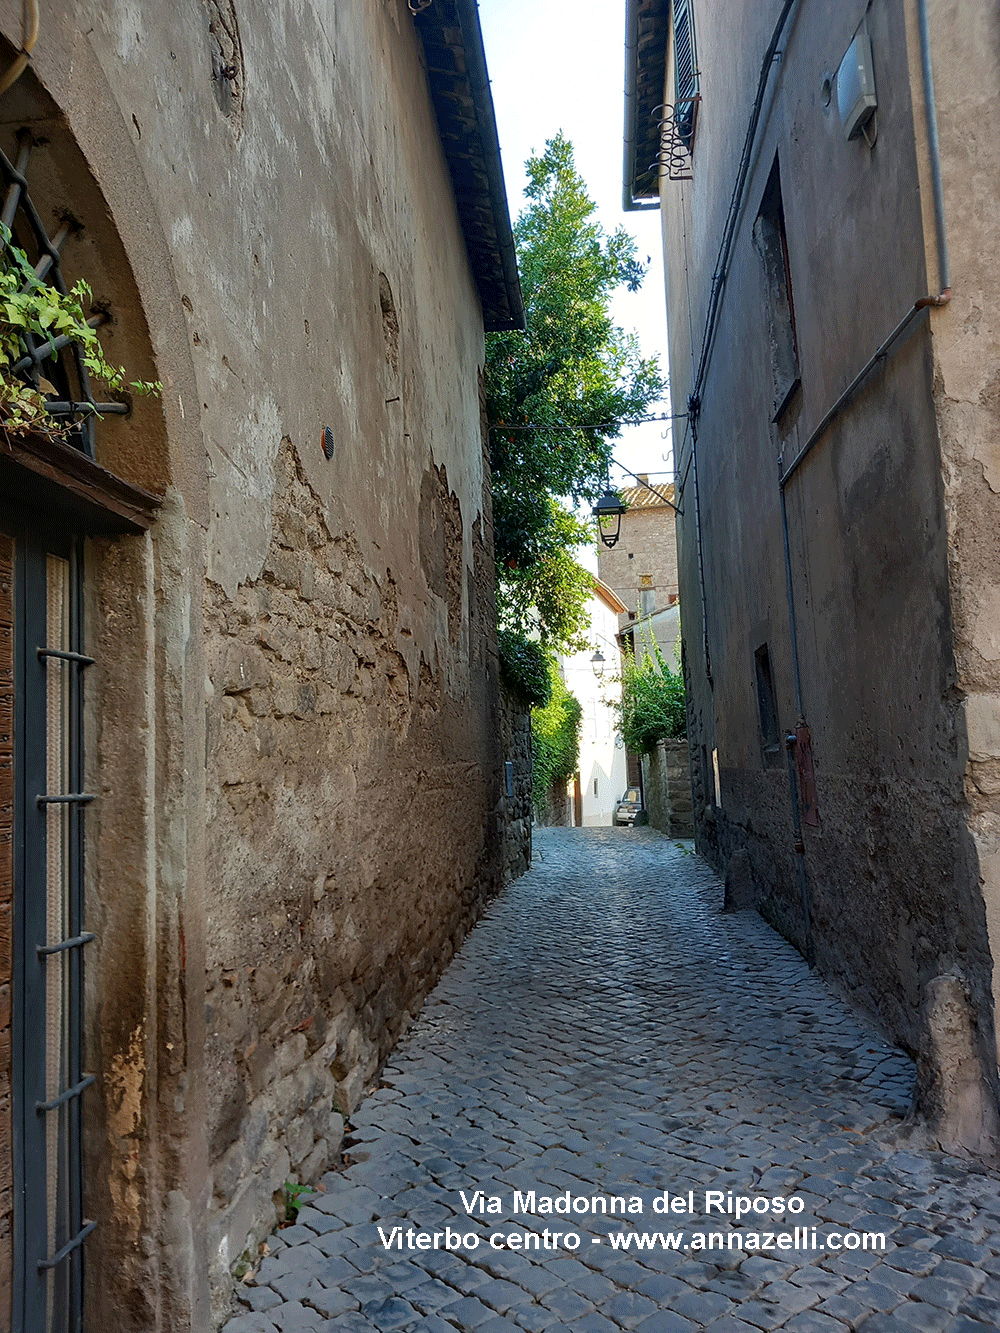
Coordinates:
603 777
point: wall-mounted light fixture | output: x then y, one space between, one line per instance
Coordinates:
608 512
856 100
597 664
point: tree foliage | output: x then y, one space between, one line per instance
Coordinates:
524 667
572 368
555 740
652 705
548 594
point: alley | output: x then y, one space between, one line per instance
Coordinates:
606 1032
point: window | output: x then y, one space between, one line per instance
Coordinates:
767 708
41 684
685 73
772 246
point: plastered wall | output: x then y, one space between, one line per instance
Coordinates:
877 565
293 721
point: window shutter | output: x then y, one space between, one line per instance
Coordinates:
685 70
684 78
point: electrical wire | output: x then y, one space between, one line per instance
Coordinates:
21 63
592 425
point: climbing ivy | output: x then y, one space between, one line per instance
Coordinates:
524 667
555 740
30 306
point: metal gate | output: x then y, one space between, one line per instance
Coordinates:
48 935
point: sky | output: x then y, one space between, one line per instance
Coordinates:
560 65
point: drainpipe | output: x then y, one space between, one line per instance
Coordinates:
930 111
791 741
693 409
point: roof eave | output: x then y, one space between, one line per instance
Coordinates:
642 58
452 40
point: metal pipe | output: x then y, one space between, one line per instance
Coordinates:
698 550
934 147
880 353
790 598
800 850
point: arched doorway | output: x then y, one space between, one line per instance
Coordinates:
56 489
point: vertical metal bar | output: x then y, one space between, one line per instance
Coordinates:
31 899
18 1072
75 926
790 597
800 849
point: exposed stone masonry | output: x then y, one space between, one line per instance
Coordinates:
515 736
666 785
334 910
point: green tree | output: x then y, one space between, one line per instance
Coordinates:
572 368
652 705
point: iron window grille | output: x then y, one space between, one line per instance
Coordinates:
62 380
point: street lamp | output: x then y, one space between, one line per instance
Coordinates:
597 663
609 507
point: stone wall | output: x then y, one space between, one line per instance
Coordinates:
337 782
515 743
666 788
292 720
880 534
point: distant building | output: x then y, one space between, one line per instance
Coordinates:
642 567
830 240
602 773
642 570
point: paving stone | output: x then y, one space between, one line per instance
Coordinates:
813 1321
431 1296
291 1317
701 1305
574 1045
390 1313
332 1302
666 1321
983 1307
912 1317
946 1295
257 1298
251 1323
350 1323
628 1308
467 1312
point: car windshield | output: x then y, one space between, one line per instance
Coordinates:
632 795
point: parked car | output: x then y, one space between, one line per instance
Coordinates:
629 809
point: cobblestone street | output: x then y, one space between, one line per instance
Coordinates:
606 1031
